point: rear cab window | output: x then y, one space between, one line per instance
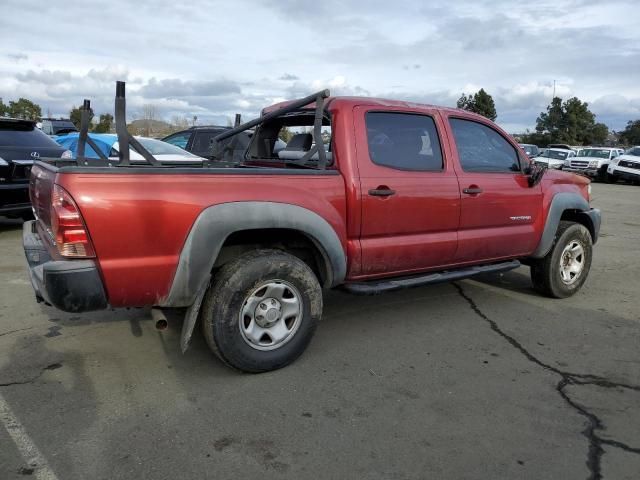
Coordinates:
21 134
483 149
290 140
404 141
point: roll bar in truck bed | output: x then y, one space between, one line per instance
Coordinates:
126 140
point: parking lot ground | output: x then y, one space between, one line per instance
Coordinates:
478 379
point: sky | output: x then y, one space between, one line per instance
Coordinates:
213 59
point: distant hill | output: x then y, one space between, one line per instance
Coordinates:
150 128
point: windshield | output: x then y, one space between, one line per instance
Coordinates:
595 153
529 149
158 147
635 151
555 154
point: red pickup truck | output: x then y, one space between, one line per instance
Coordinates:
369 195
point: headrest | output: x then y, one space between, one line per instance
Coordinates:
300 141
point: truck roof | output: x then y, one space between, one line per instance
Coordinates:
350 102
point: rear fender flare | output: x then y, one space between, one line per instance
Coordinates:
216 223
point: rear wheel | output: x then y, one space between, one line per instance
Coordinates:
261 310
563 271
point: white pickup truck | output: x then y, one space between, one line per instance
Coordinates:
555 158
593 162
626 166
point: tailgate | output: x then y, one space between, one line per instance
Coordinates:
40 187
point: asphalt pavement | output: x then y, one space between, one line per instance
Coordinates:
477 379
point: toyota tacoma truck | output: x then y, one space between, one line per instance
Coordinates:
369 195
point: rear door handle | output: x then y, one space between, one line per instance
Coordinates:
381 191
472 190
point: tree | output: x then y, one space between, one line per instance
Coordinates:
4 109
285 134
180 122
24 108
481 102
75 115
549 124
104 124
484 105
570 122
149 115
631 134
465 102
599 134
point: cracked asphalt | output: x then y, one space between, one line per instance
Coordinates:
477 379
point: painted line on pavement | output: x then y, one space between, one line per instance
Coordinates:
23 442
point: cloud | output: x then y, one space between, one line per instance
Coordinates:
265 50
174 87
17 57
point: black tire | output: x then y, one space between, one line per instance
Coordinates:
26 216
234 284
546 272
602 174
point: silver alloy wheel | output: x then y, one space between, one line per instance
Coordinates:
572 262
271 315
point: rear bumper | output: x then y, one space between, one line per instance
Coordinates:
69 285
14 198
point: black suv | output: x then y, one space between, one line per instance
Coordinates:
199 141
60 126
21 143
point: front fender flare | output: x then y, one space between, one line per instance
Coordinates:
216 223
559 204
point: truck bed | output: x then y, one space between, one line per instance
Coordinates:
138 218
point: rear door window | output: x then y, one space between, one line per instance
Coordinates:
404 141
203 142
179 140
482 149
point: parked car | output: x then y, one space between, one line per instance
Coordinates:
21 143
593 162
60 126
199 141
531 150
389 204
554 157
626 166
562 146
108 144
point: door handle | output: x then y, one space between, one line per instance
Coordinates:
381 191
472 190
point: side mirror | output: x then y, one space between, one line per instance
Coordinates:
534 173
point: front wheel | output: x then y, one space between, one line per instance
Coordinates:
261 310
563 271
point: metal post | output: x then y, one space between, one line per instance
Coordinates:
120 111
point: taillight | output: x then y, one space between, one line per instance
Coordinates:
67 226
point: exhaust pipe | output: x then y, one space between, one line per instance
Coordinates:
159 318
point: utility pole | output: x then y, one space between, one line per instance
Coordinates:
554 90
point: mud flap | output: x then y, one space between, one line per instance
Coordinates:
192 316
